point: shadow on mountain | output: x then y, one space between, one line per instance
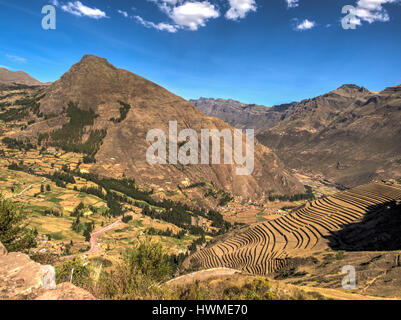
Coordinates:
379 230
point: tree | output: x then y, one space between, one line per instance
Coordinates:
149 259
14 233
87 235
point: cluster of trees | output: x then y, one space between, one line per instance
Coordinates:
223 197
20 167
61 178
177 216
166 233
78 210
197 242
17 144
218 220
69 136
124 109
42 188
53 212
14 114
296 197
112 199
87 227
126 219
125 186
76 225
196 185
32 104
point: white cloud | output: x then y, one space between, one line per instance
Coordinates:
292 3
193 14
189 15
305 25
80 10
16 58
371 11
5 67
159 26
124 13
240 8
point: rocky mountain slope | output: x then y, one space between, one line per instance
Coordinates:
350 135
240 115
120 108
8 78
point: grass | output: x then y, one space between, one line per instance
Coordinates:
340 255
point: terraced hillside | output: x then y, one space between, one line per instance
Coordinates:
269 246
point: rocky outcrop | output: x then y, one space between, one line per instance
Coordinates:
66 291
23 279
3 250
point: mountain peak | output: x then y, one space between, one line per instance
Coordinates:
350 90
8 77
93 61
350 86
392 89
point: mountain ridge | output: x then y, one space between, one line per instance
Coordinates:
8 78
94 84
349 134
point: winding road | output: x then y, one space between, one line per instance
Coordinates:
93 241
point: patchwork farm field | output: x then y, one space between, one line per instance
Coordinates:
26 178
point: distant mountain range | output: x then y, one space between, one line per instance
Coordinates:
240 115
9 78
350 135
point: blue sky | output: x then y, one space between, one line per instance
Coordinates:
254 51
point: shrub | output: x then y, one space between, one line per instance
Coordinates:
14 234
340 255
80 276
138 276
127 219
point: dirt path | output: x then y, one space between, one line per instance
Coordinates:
27 188
340 295
93 241
202 275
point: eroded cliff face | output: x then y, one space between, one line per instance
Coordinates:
23 279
